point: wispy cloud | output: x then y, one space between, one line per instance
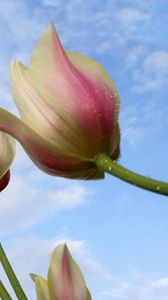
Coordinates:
24 204
138 286
141 120
152 74
30 199
127 16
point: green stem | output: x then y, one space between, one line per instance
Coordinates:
105 163
4 295
11 275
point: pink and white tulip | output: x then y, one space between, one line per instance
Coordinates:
68 107
65 280
7 153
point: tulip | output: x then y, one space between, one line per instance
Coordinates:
65 280
68 107
7 152
69 115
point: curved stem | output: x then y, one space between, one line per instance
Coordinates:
11 275
105 163
4 295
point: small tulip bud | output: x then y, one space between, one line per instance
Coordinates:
65 280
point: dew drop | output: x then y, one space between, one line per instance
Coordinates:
158 188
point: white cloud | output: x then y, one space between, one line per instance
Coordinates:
128 16
32 196
157 61
137 286
21 19
160 283
142 120
56 3
24 204
152 73
135 55
133 125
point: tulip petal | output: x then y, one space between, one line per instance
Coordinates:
88 297
41 287
7 153
92 69
52 125
4 180
99 77
65 279
46 155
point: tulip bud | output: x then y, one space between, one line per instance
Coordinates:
41 284
65 280
7 152
69 110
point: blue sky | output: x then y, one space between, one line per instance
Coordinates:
116 232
